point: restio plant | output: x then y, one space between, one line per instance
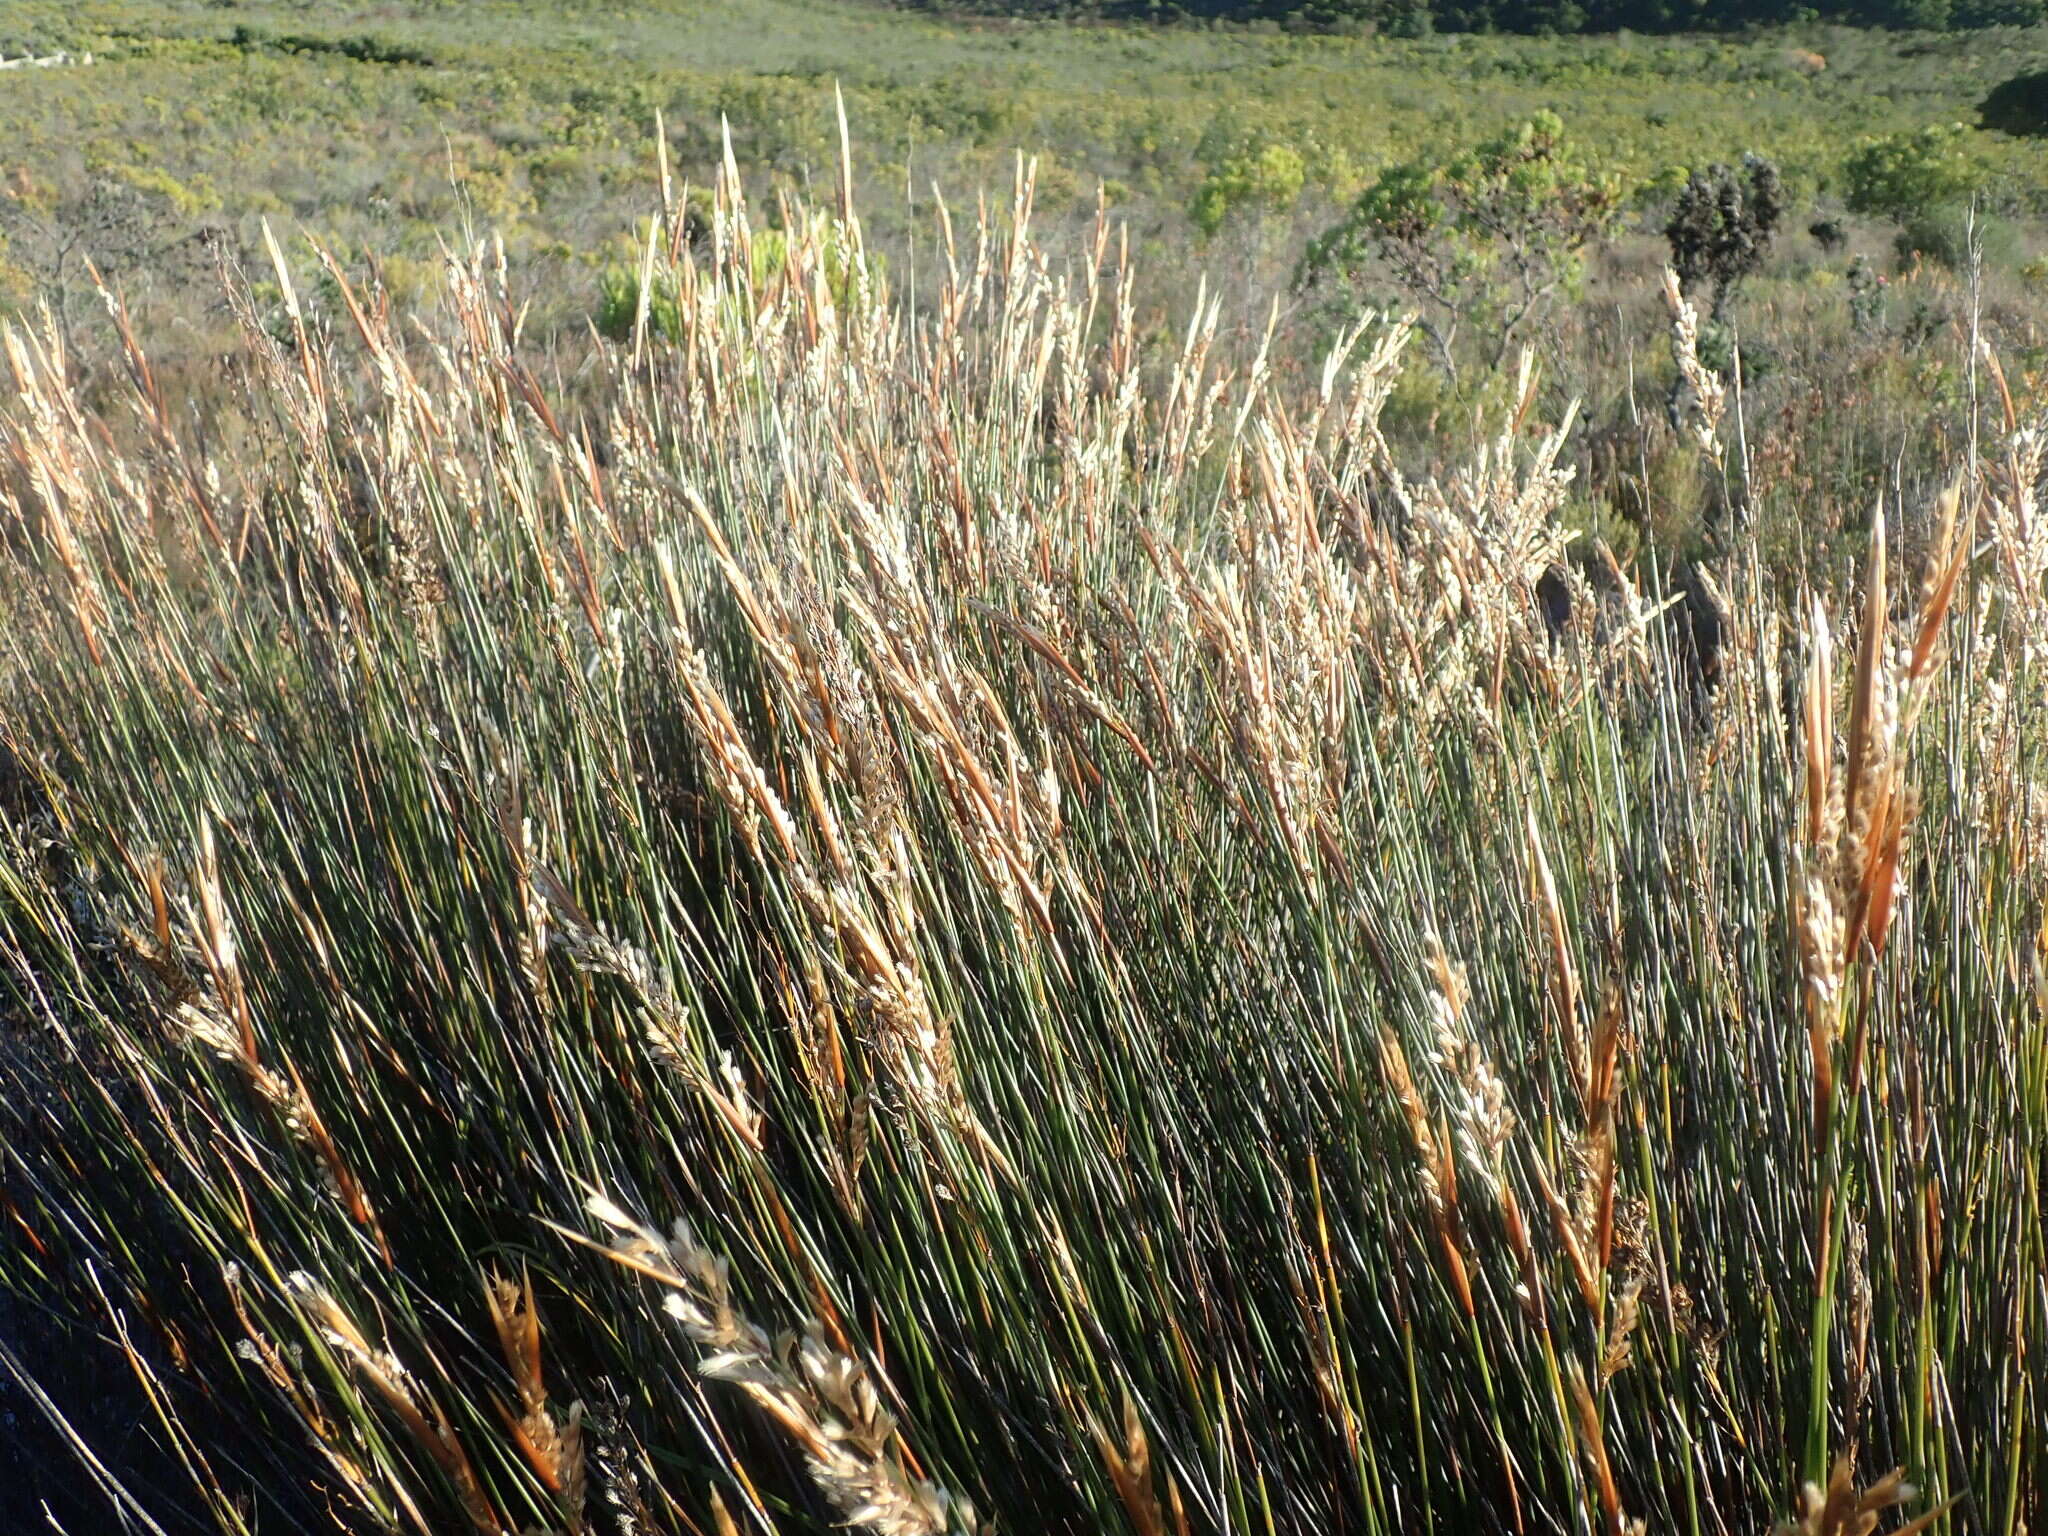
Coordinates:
938 916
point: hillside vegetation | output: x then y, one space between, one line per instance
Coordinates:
1420 18
1225 155
381 128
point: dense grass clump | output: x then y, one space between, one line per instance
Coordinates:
941 920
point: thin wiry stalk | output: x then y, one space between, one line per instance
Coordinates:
1230 983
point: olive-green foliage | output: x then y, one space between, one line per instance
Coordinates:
1269 177
1491 236
1414 18
1948 234
1899 174
618 306
847 283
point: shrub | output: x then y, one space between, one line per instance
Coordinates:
1900 174
1492 236
1866 297
2018 106
363 48
1943 236
1269 178
618 305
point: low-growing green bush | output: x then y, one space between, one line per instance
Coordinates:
1948 235
363 48
1902 175
619 306
1494 236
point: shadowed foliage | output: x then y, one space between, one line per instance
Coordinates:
2019 106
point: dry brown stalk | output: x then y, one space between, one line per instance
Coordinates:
409 1401
1841 1509
1593 1443
1435 1165
1564 978
551 1444
823 1399
1130 1472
